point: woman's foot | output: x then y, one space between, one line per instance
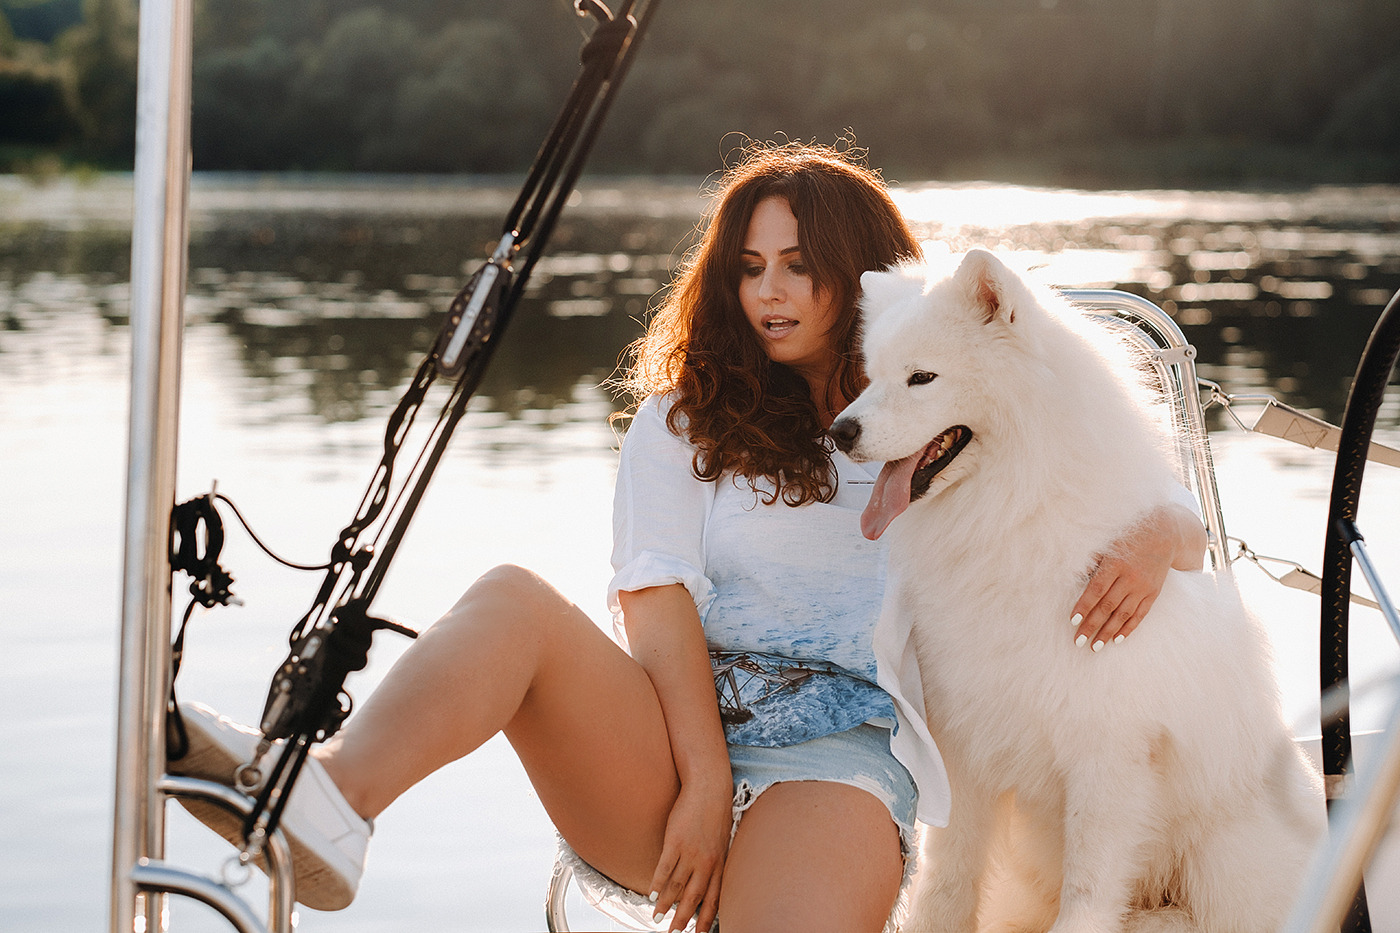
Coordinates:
328 839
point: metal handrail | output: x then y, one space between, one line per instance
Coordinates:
159 877
555 914
1174 360
280 887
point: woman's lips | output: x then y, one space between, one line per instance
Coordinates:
778 326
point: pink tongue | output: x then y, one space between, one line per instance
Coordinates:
889 497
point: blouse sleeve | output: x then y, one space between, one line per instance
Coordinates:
659 513
1183 496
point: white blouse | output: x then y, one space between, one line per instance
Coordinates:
797 583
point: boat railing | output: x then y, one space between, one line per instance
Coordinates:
156 877
140 877
1173 359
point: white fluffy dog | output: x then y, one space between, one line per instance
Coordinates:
1154 784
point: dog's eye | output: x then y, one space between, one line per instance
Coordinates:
921 378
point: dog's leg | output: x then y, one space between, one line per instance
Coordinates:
1246 872
1110 798
951 866
1021 890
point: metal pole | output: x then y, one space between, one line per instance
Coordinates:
1377 585
158 261
1361 821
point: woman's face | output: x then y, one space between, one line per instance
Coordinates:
792 318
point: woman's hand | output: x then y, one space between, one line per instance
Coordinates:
1130 575
692 855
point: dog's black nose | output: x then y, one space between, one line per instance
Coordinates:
845 432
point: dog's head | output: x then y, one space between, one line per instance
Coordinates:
933 347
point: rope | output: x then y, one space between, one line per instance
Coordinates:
1296 576
259 542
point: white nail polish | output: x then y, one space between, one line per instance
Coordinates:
1118 639
653 896
658 917
1078 617
1098 646
1079 642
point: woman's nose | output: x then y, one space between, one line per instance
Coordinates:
769 289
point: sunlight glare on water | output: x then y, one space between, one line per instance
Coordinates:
992 206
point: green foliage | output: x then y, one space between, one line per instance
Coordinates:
100 55
241 120
466 103
33 108
41 20
931 86
345 85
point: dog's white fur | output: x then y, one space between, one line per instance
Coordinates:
1154 784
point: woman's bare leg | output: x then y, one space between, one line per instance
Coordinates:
514 655
812 856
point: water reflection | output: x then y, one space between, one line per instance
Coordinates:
333 296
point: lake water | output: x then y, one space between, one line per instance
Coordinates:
311 301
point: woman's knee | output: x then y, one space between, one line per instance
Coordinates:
514 606
510 581
507 593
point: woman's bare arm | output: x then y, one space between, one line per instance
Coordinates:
666 638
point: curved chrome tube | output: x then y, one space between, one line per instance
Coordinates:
1174 360
554 915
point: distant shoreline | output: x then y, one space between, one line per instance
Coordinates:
1208 164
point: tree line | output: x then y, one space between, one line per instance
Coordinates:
934 88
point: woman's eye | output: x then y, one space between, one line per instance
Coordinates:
921 378
752 271
797 268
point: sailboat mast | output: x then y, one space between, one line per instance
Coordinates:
159 256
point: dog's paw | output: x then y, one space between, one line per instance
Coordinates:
1160 920
1106 919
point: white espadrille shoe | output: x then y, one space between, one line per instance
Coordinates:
328 839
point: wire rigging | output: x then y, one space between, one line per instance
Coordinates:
307 701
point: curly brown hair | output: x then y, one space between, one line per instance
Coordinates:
741 411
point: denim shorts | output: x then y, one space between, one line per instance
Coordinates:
859 757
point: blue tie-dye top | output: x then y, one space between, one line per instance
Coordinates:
789 597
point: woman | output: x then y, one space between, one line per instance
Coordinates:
740 567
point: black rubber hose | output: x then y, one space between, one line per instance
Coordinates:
1364 401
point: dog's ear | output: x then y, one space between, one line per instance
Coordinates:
984 277
882 289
